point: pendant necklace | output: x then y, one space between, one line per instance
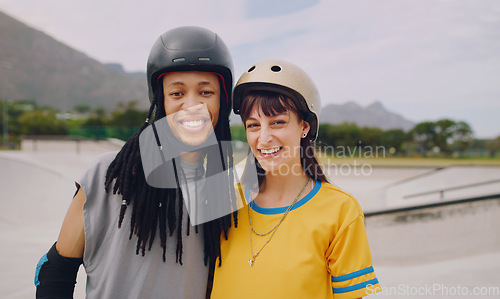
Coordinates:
251 261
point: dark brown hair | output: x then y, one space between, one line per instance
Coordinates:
272 104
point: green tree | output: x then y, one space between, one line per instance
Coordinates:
441 134
370 136
424 134
238 133
14 110
127 115
100 111
324 134
42 122
445 130
493 147
345 134
95 127
82 109
394 139
126 120
462 137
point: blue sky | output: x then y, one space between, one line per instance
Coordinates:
424 59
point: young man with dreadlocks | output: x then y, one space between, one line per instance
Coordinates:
189 75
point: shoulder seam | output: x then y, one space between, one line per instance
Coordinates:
350 223
350 196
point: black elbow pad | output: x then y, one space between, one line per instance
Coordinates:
55 275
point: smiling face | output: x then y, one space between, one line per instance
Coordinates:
192 102
275 139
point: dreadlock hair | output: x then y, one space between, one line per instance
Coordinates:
162 208
272 104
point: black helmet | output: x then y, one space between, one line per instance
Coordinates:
190 48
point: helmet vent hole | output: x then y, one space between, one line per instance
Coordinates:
251 69
178 59
275 68
204 58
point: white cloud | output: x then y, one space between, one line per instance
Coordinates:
423 58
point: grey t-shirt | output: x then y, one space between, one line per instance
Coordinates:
113 269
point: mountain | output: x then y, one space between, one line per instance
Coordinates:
374 115
35 66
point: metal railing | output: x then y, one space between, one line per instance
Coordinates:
432 205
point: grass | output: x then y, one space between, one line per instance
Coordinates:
412 161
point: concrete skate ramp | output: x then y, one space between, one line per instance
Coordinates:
69 144
36 190
444 184
435 233
37 185
33 203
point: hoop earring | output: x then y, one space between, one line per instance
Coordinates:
304 135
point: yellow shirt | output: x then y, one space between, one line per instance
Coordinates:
320 250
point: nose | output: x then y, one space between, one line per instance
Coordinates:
265 135
192 102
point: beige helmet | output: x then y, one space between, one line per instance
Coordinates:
286 78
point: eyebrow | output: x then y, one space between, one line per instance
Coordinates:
271 116
202 83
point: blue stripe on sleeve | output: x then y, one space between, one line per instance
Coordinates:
42 261
355 287
352 275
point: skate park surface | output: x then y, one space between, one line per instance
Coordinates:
433 232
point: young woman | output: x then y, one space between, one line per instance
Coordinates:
298 236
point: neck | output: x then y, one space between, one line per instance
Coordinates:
279 190
191 156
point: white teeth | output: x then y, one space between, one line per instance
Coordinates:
193 123
270 151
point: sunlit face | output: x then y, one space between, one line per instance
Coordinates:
192 102
275 140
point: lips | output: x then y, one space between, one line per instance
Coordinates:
193 123
270 152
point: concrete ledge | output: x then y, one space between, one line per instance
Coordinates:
435 233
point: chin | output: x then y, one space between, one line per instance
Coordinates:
269 169
193 140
